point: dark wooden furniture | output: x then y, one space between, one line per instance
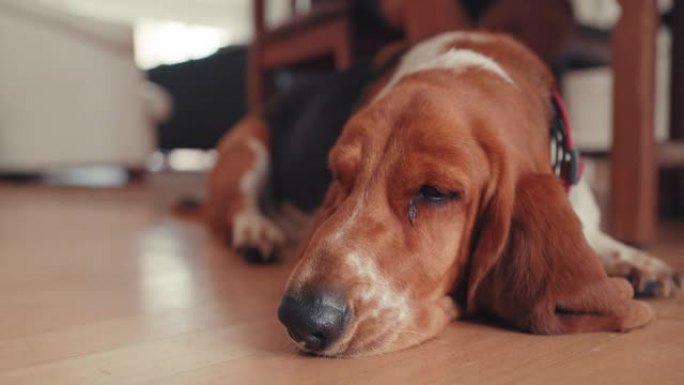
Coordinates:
677 78
423 19
673 179
325 30
635 157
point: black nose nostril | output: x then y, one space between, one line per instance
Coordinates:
315 342
313 320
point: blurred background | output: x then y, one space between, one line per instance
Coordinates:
105 93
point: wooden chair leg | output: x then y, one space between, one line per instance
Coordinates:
343 58
343 48
675 180
426 18
633 160
677 79
255 80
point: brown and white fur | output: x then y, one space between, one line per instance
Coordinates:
469 114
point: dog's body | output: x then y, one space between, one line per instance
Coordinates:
442 203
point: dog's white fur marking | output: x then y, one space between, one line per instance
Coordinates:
376 288
254 179
379 298
250 227
433 54
617 258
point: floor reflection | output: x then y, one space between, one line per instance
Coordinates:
166 276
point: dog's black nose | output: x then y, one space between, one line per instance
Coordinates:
313 320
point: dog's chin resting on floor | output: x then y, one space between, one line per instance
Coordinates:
440 202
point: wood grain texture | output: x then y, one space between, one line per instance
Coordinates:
105 287
633 157
673 180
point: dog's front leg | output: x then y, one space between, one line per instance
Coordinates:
650 276
235 185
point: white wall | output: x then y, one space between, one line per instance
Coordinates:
171 31
234 15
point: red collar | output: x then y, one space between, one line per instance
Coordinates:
566 160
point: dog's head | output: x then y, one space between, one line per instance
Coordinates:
443 202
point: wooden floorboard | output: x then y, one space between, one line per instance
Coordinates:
107 287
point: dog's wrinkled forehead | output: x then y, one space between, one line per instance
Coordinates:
422 108
438 53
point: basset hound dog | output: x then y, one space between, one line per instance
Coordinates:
441 202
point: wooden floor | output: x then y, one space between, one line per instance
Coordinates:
106 287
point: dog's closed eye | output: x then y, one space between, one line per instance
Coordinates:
431 195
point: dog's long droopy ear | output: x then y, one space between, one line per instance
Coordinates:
490 237
536 271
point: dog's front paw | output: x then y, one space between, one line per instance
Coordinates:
256 238
650 276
